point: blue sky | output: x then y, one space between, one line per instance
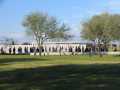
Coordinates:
72 12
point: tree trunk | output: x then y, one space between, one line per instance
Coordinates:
106 47
99 50
40 50
39 46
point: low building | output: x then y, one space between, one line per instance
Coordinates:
47 48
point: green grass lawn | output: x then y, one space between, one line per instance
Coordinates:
23 72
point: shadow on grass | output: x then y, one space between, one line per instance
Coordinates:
64 77
5 61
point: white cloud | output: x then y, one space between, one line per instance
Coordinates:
19 36
11 34
93 12
114 4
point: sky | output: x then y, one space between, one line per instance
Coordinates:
72 12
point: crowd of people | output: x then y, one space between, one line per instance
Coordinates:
73 50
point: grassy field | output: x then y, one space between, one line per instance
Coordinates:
59 73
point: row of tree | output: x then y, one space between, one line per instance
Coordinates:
103 28
42 27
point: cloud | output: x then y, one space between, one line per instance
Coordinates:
19 36
93 12
11 34
107 6
114 4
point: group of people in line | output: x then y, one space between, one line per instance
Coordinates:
72 50
27 50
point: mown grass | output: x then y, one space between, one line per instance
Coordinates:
24 72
